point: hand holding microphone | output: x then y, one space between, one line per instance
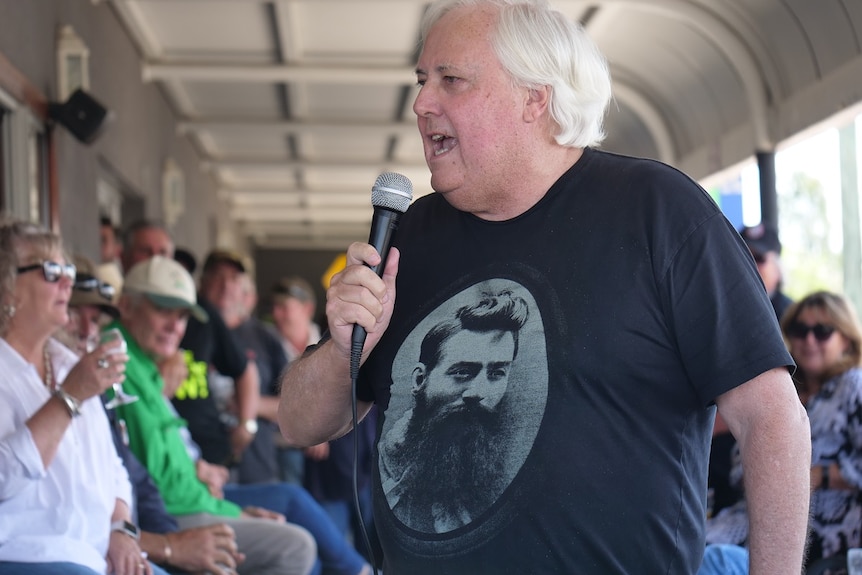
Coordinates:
391 196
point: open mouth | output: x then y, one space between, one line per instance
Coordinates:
442 144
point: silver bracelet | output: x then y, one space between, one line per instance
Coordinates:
72 404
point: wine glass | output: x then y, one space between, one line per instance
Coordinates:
120 396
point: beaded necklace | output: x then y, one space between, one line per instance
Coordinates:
49 369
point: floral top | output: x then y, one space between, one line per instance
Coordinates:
835 414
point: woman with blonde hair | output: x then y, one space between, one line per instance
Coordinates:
64 493
824 336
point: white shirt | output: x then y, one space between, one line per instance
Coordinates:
62 513
292 352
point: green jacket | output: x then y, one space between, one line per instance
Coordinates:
155 440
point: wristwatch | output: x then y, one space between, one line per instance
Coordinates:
126 527
250 425
71 403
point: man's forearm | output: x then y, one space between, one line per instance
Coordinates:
776 465
248 393
268 408
314 405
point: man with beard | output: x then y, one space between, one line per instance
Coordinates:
459 385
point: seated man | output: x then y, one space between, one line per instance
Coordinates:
208 548
158 295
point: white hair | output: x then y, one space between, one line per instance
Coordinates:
538 46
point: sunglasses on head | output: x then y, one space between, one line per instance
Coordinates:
52 271
90 283
799 330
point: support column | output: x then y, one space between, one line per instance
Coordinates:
850 216
768 193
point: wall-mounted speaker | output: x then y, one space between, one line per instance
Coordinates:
82 115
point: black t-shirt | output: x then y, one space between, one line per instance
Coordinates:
643 305
212 346
259 463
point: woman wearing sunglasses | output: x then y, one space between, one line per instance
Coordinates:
825 339
63 490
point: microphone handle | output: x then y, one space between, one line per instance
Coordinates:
383 225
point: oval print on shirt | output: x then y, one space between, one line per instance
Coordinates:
470 385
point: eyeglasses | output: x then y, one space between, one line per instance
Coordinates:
89 283
799 330
759 257
52 271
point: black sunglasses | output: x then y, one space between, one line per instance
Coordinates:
52 271
799 330
89 283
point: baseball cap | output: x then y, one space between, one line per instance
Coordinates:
294 287
93 288
166 283
761 238
219 256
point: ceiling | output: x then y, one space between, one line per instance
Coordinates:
296 106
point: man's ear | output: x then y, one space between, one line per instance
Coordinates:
418 377
536 103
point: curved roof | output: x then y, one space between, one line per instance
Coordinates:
298 105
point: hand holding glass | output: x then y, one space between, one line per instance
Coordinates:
120 396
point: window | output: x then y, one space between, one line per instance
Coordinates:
24 148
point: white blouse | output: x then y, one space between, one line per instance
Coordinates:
62 512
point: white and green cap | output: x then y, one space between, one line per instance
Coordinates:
166 283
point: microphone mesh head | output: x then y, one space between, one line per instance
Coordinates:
392 191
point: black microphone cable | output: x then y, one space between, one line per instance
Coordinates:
355 357
391 196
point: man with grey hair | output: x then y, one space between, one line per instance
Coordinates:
158 298
646 312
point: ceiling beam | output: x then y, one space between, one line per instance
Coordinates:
299 198
254 164
286 215
298 127
356 75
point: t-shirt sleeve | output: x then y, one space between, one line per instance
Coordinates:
723 321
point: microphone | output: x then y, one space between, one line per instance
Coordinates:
390 196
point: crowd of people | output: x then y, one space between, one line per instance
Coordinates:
573 330
128 489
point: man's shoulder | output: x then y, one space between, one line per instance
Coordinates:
643 174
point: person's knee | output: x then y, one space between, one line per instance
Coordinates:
301 550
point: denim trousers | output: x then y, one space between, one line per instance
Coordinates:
57 568
337 556
723 559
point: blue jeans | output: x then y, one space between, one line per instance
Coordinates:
343 514
723 559
61 568
291 463
337 557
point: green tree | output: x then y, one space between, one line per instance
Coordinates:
808 261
